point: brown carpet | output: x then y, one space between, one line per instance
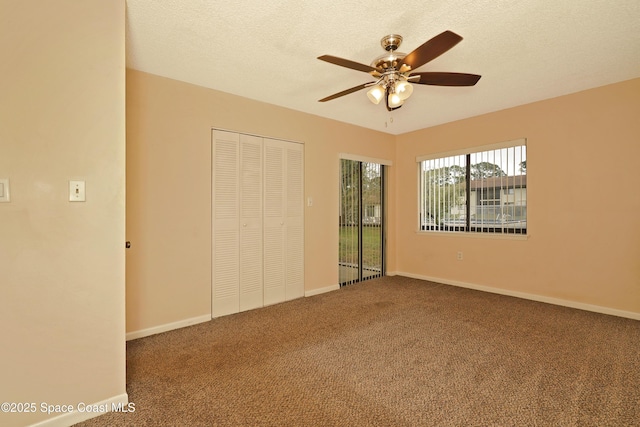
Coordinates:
390 352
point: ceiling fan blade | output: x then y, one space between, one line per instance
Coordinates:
431 49
345 92
347 63
445 79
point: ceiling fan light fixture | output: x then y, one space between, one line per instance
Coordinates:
394 70
394 100
375 94
404 89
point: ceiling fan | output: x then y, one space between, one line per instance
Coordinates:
394 70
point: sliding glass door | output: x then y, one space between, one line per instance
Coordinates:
361 238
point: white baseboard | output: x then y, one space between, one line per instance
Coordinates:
86 411
321 290
167 327
533 297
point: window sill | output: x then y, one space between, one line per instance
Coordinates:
473 235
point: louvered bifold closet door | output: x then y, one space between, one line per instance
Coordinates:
283 221
294 268
274 221
225 251
257 221
250 222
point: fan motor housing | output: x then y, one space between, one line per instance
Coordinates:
389 61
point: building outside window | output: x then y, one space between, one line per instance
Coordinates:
483 191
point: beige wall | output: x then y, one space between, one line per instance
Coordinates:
169 192
581 150
62 269
584 203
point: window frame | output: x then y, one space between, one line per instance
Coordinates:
468 228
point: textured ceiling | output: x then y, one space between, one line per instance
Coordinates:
525 50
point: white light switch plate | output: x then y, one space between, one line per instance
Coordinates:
76 191
4 190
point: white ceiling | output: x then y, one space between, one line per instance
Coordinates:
525 50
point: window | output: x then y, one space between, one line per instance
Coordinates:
483 191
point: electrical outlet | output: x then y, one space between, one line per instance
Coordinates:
459 256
